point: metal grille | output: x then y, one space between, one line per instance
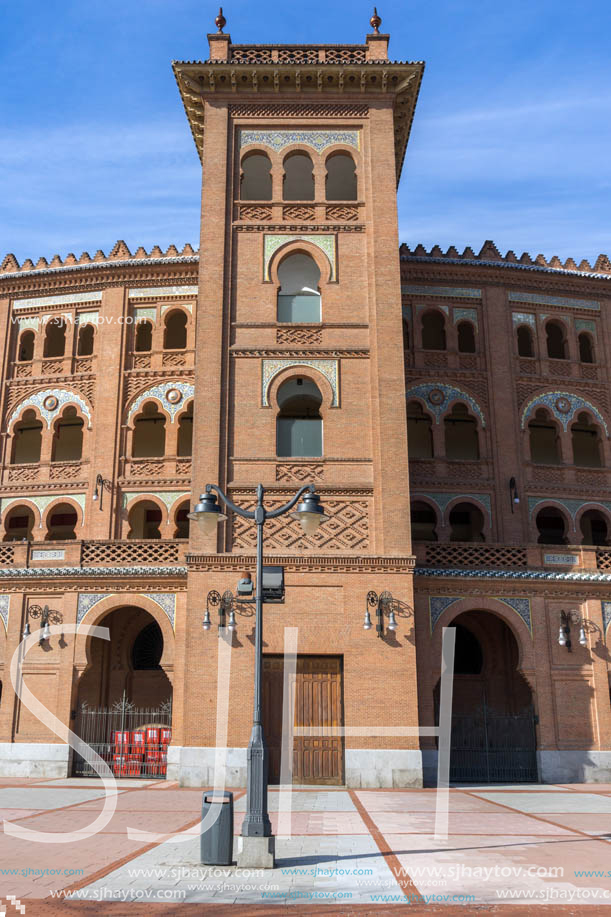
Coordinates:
112 732
490 747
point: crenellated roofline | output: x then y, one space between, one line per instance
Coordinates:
488 256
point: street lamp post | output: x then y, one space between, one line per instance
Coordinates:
257 839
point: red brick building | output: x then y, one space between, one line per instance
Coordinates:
452 410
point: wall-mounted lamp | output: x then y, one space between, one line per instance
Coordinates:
46 615
513 493
384 604
101 484
228 603
573 617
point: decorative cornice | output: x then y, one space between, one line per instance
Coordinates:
340 563
398 82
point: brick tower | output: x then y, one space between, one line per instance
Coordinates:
300 378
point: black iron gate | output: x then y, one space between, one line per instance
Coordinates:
132 740
491 747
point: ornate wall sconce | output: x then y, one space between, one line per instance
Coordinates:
585 627
47 616
384 605
229 604
101 484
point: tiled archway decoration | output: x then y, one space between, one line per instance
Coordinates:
169 497
318 140
41 503
164 392
564 406
4 604
50 402
571 506
439 603
271 368
271 244
165 600
443 499
438 396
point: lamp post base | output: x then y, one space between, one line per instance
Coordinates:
256 852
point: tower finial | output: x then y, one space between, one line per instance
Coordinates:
220 21
375 22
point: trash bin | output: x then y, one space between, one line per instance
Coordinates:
217 840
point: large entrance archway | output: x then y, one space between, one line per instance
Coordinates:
124 701
493 723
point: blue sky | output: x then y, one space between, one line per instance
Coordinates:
510 140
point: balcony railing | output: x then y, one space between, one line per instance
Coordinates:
469 554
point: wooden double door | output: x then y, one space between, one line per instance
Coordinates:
316 696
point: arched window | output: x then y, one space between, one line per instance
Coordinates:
466 337
466 523
18 524
594 528
525 342
185 433
424 522
299 296
148 648
144 337
419 432
149 433
86 337
144 521
433 331
55 338
298 184
551 526
586 443
256 184
586 348
556 341
182 521
299 424
544 445
461 438
61 523
27 440
175 334
26 347
341 178
68 439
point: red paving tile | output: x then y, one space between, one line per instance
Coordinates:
426 802
492 823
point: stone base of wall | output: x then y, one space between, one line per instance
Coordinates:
194 766
562 766
575 766
34 759
386 767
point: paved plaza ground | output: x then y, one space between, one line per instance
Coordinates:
536 848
